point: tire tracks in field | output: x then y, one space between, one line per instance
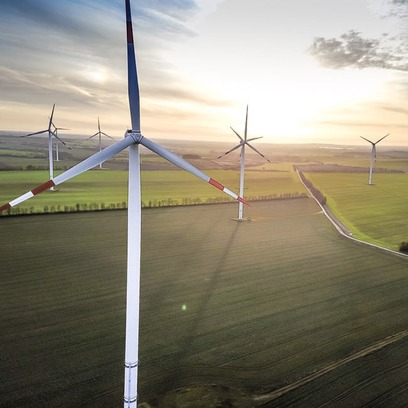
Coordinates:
266 398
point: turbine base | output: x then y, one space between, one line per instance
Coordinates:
244 219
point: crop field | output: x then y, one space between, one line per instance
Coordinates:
374 213
243 309
159 187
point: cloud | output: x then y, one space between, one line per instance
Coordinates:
354 51
49 47
394 8
73 53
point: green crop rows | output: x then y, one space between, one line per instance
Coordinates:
251 305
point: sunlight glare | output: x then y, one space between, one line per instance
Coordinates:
96 74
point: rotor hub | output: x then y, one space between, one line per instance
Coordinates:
134 134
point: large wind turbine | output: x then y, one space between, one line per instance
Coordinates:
373 156
51 133
242 143
99 133
133 139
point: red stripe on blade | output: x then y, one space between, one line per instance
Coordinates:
43 187
129 32
216 184
244 201
5 207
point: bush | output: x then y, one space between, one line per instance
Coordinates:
403 247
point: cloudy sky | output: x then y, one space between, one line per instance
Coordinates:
310 70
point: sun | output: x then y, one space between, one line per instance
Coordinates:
96 74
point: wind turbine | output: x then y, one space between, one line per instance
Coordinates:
242 143
133 139
56 129
51 133
373 156
99 133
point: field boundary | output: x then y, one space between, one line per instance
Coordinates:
342 229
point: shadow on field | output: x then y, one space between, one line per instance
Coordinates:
185 348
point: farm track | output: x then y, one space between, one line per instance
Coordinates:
266 398
345 231
374 213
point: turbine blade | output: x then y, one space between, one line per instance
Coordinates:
178 161
102 133
35 133
58 128
229 151
246 124
85 165
52 115
58 138
242 140
257 151
379 140
133 85
254 138
369 141
90 137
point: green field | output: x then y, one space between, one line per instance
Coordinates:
159 187
252 306
373 213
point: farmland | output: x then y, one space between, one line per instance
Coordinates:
250 307
108 189
373 212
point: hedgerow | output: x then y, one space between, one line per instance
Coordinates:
169 202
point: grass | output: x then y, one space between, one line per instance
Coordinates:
109 186
246 305
373 213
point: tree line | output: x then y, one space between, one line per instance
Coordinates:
154 203
320 197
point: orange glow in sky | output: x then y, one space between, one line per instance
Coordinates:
317 71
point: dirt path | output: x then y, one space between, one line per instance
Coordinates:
265 398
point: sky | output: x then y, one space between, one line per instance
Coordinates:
311 71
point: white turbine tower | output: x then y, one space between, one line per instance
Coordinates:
373 156
242 143
133 139
51 134
99 133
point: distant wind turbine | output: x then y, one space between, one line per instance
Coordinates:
51 133
242 143
373 156
56 129
133 139
99 133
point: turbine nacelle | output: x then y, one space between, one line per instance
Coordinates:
135 135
